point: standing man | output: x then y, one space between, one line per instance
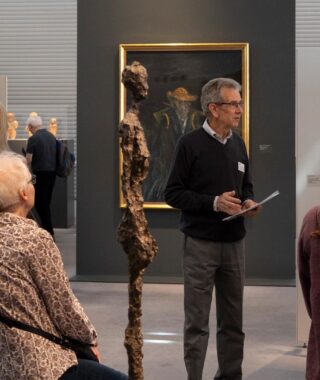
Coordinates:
41 156
210 179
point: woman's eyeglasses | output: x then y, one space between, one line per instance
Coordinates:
33 179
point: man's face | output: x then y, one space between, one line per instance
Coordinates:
229 114
182 107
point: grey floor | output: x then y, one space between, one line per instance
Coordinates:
271 351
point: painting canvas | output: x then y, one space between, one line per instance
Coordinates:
176 74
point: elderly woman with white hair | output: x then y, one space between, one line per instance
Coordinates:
35 292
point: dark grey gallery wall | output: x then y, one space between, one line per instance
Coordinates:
269 28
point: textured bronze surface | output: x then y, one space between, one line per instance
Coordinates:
133 233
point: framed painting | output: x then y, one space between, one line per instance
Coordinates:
176 74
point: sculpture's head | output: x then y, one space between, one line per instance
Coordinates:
11 117
53 122
135 78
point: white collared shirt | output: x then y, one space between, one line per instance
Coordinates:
213 134
221 140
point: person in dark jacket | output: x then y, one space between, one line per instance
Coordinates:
309 273
209 180
41 156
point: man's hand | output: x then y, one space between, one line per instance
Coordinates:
249 203
228 203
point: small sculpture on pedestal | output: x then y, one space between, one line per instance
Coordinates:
12 126
53 126
133 233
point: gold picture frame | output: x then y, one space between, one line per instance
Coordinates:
179 70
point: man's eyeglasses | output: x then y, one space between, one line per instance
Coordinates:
233 105
33 179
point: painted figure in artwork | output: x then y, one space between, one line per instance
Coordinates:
172 122
133 233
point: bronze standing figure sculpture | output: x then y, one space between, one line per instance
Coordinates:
133 231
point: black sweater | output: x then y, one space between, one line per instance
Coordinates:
203 169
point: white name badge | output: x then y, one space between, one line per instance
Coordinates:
241 167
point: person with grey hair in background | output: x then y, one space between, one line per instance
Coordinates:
41 156
209 180
3 128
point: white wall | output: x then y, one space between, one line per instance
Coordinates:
3 90
307 126
38 41
307 150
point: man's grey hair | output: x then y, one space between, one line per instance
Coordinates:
210 92
14 176
35 121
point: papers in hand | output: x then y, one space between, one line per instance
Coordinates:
271 196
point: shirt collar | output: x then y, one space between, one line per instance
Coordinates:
9 217
213 134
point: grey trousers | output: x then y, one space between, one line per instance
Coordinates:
209 264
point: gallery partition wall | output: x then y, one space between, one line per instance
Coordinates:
38 41
102 27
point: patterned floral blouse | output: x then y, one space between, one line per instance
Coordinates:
34 289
